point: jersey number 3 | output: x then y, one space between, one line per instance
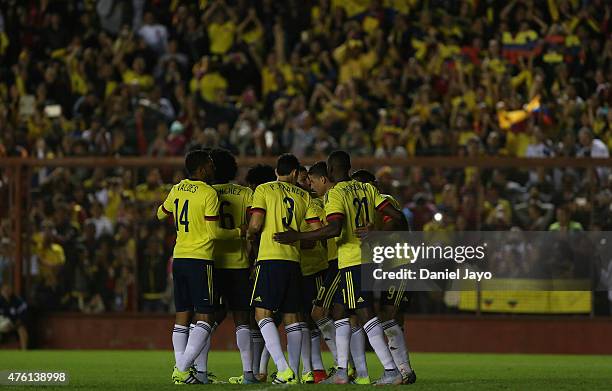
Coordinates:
182 219
290 205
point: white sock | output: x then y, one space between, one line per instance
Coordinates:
377 340
306 348
328 330
294 346
258 346
343 340
273 344
397 345
201 361
243 340
180 334
358 351
315 350
197 338
265 360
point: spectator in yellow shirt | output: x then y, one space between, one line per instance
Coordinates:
222 27
50 255
137 76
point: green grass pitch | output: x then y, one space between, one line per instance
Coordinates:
150 370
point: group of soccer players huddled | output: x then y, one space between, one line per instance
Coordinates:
287 248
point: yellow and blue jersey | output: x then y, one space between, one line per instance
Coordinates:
192 203
284 205
356 204
234 203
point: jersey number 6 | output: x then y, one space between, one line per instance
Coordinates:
227 220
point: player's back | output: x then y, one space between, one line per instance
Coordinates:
234 201
357 202
191 203
284 205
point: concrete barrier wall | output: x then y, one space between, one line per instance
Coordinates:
423 333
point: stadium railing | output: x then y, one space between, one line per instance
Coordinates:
16 192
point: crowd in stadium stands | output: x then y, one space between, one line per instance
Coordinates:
383 78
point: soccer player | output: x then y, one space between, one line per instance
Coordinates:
232 266
394 302
329 294
280 205
257 175
313 264
349 205
194 205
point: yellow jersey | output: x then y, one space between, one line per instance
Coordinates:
284 204
315 259
234 202
194 204
356 204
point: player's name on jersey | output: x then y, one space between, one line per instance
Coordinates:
287 187
233 190
353 187
188 187
426 274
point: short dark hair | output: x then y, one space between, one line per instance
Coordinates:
364 176
318 169
286 163
195 160
225 165
340 159
302 169
261 173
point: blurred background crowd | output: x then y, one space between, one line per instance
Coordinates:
382 78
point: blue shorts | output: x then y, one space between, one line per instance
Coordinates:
233 288
350 284
311 285
396 295
277 286
328 292
193 285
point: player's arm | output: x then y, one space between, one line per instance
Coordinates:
257 213
255 223
313 222
166 209
335 220
331 230
393 219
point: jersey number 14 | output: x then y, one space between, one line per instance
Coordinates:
182 219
